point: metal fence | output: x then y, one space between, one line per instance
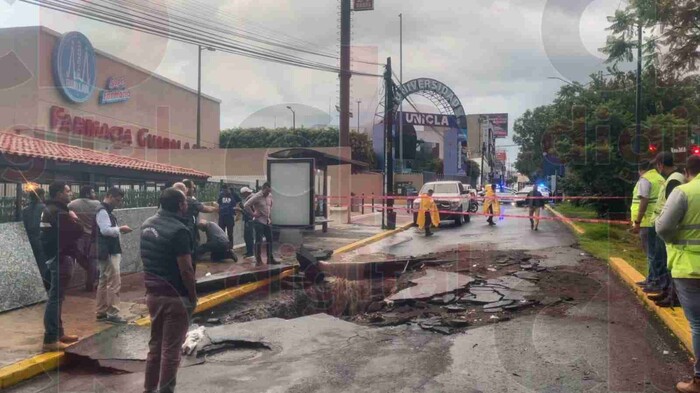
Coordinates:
134 196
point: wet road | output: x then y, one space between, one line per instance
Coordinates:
508 234
604 341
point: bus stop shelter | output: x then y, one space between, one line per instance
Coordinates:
322 162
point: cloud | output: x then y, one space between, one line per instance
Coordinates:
495 54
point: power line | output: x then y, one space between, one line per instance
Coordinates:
139 17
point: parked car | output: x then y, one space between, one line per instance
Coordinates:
449 196
521 199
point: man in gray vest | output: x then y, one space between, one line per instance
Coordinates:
85 207
166 251
109 256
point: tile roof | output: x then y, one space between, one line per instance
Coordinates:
25 146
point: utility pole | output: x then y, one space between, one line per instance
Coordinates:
345 73
401 165
199 92
358 114
388 148
638 106
483 150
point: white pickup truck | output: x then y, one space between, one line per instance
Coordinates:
450 196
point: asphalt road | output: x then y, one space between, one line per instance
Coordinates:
603 341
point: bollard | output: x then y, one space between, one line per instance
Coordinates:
362 202
372 202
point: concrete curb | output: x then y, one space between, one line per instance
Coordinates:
672 317
566 220
371 239
215 299
38 364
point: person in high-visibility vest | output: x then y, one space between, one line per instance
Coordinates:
644 198
428 213
674 178
491 205
679 226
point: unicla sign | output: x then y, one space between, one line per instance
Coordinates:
429 119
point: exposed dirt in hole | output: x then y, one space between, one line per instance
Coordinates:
494 272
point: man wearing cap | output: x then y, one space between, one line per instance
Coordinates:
248 231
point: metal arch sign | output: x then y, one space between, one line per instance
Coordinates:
437 87
74 67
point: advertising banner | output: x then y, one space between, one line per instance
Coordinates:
498 122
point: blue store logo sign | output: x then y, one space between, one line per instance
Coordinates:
74 67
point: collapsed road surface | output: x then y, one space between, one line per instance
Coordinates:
576 329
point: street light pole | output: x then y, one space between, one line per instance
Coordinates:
294 118
358 115
199 92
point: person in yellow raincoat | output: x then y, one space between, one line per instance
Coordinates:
428 213
491 205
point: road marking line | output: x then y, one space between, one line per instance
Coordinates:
371 239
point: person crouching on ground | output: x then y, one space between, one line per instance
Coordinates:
171 295
217 242
491 204
109 257
428 213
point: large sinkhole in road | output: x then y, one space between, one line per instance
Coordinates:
443 293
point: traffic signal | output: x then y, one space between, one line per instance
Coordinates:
652 148
695 150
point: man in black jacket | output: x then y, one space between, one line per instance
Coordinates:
171 296
31 216
60 231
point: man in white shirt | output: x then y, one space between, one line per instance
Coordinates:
109 256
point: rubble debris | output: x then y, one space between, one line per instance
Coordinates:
499 304
455 308
484 297
527 275
375 306
214 321
435 282
493 310
444 299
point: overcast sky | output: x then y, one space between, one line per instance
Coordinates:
495 54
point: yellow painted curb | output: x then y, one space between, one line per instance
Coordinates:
36 365
672 317
28 368
371 239
215 299
566 220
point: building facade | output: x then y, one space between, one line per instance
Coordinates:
59 88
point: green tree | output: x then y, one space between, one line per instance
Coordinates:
590 128
256 138
362 148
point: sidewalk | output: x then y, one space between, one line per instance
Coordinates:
21 341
